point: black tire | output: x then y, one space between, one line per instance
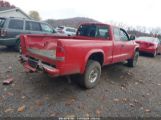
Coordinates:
133 62
17 46
91 76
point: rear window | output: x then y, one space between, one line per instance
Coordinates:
16 24
97 31
2 21
102 32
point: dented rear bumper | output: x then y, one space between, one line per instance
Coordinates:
32 65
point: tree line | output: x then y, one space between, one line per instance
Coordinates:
6 4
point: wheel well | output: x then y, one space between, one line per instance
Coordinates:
97 57
137 49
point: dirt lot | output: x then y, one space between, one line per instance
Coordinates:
123 91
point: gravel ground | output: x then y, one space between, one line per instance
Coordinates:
122 91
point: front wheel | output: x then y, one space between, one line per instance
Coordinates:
133 62
92 75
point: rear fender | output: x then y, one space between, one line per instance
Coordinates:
87 58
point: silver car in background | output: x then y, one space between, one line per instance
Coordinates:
69 31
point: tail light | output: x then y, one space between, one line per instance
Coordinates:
22 44
3 32
60 52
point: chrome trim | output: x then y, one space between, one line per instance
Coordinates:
46 53
24 57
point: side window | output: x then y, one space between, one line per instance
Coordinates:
16 24
116 34
46 28
36 26
123 36
2 22
28 25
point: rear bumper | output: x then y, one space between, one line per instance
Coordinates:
52 71
8 41
147 50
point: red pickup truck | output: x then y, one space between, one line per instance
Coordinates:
94 46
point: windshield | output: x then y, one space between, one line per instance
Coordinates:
148 39
2 20
92 30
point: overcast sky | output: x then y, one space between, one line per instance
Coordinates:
132 12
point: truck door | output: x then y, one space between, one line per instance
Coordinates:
118 55
127 47
123 47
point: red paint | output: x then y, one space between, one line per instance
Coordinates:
148 46
72 53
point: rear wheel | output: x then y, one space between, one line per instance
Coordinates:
133 62
92 75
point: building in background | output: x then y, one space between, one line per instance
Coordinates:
13 12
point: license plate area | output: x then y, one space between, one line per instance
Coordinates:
33 63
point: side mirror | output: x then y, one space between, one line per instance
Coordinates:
132 37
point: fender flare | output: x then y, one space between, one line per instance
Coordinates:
137 47
83 65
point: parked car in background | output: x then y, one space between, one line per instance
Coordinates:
150 45
11 28
95 45
69 31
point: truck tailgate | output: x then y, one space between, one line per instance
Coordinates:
39 47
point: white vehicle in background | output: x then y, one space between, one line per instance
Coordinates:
69 31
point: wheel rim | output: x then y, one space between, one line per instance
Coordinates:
155 53
93 75
136 58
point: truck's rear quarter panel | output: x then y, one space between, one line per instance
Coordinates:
78 51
